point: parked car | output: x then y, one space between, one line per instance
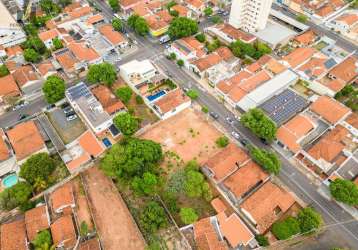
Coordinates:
70 113
71 117
164 39
244 142
214 115
235 135
229 120
23 116
68 110
264 141
185 89
50 106
65 105
20 105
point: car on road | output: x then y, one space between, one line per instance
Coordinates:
20 105
164 39
185 89
67 110
23 116
264 141
214 115
236 135
71 117
244 142
229 120
50 106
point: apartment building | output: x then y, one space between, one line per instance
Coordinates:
250 15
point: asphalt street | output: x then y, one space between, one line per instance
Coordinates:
342 223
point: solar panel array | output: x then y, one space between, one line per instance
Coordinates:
282 107
78 91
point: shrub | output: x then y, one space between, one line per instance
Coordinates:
262 240
222 141
188 215
83 229
266 159
139 99
3 70
180 63
153 217
126 123
344 191
205 109
193 94
200 37
286 228
124 93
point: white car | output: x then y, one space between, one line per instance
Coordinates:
235 135
71 117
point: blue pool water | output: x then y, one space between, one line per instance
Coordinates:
10 180
156 95
107 142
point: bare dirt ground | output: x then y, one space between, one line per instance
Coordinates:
187 134
114 222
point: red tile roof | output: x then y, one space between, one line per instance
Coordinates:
82 52
36 220
8 86
299 56
24 75
329 109
90 144
13 235
92 244
62 197
346 70
4 150
108 100
172 100
114 37
218 205
63 232
206 237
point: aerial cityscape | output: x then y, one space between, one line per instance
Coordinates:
178 124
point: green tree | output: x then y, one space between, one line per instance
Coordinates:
139 99
84 229
114 5
214 45
302 18
216 19
200 37
146 185
180 63
260 124
205 109
344 191
174 13
241 49
182 27
286 228
3 70
172 56
261 49
188 215
57 44
153 217
102 73
31 55
15 196
38 166
30 29
132 157
117 24
35 43
262 240
208 11
222 141
43 240
54 89
126 123
266 159
49 7
309 220
124 93
195 185
138 24
193 94
170 4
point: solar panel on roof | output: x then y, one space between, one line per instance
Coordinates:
330 63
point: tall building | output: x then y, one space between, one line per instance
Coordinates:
11 32
250 15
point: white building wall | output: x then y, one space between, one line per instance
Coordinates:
175 111
250 15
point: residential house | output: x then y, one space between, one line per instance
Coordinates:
115 38
36 220
187 49
27 79
157 25
298 57
85 54
46 69
13 51
7 159
345 22
92 244
294 131
62 199
96 19
110 103
26 140
128 5
182 10
266 205
171 104
305 39
63 232
68 62
227 34
48 36
8 90
196 6
13 235
89 108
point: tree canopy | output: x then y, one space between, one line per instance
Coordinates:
193 94
15 196
153 217
138 24
43 240
117 24
3 70
188 215
114 5
31 55
34 42
102 73
222 141
126 123
37 168
54 89
286 228
309 220
57 44
49 7
208 11
182 27
344 191
132 157
195 185
146 185
266 159
261 125
124 93
256 50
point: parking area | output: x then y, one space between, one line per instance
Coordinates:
68 130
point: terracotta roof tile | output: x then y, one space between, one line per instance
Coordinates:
4 150
13 235
225 162
306 38
267 204
349 19
8 86
114 37
225 53
62 197
182 10
299 56
45 67
206 237
127 3
245 179
329 109
325 10
67 60
226 85
165 15
36 220
82 52
196 3
49 34
90 144
295 129
63 232
24 75
218 205
25 139
13 51
108 100
92 244
236 34
352 120
315 67
80 12
172 100
95 19
346 70
155 22
207 62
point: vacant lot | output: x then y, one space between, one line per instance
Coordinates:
115 225
187 134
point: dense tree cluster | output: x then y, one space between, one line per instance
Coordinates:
344 191
126 123
261 125
54 89
256 50
102 73
124 93
153 217
266 159
15 196
138 24
188 215
182 27
42 241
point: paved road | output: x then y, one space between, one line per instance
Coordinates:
321 30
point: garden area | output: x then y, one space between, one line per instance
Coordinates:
349 97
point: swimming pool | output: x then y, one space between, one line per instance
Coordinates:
10 180
107 142
155 96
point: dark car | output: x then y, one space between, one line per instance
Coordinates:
264 141
50 106
70 113
244 142
214 115
23 116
